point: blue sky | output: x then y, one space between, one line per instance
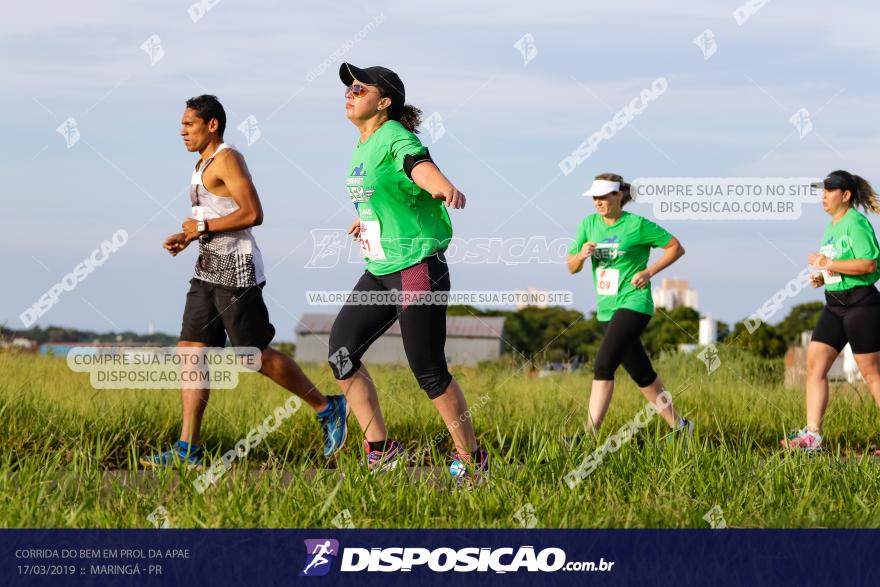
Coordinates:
508 124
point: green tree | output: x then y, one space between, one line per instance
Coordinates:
801 317
723 331
667 330
463 310
765 341
536 333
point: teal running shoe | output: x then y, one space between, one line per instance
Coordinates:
469 472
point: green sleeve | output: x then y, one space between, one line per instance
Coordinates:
653 235
864 241
580 239
404 143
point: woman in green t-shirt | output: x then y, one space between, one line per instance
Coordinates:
619 245
404 229
847 267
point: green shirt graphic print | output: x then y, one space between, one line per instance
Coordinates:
401 223
622 250
852 237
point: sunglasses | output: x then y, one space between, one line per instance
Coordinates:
357 90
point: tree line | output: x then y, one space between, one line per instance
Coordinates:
561 335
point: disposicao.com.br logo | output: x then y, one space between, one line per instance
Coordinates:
442 560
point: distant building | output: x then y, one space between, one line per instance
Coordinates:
18 343
674 293
708 335
708 331
469 340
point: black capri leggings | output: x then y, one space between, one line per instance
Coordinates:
621 344
422 327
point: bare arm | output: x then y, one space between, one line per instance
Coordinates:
429 177
844 267
576 261
233 172
672 252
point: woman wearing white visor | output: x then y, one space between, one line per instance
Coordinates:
619 244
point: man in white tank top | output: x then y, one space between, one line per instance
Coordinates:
225 297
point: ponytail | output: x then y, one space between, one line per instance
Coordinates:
624 187
861 192
864 195
410 117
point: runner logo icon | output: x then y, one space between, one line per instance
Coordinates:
318 553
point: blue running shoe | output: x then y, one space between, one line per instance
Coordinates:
683 431
334 424
192 456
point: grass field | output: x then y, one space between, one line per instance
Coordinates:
60 437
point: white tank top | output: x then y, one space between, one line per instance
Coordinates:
231 259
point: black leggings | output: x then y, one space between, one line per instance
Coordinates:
622 345
422 327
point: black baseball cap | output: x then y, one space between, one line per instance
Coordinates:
838 180
376 75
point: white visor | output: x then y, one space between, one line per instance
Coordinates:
602 187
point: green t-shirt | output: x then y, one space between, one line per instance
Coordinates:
622 250
401 223
852 237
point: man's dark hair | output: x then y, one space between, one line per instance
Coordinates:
208 107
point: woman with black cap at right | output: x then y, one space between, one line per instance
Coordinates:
847 264
404 229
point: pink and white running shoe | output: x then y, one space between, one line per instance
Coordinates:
803 439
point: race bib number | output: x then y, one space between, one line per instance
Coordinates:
371 243
830 276
607 281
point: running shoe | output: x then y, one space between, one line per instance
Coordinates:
683 431
469 474
334 424
192 456
387 460
804 440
